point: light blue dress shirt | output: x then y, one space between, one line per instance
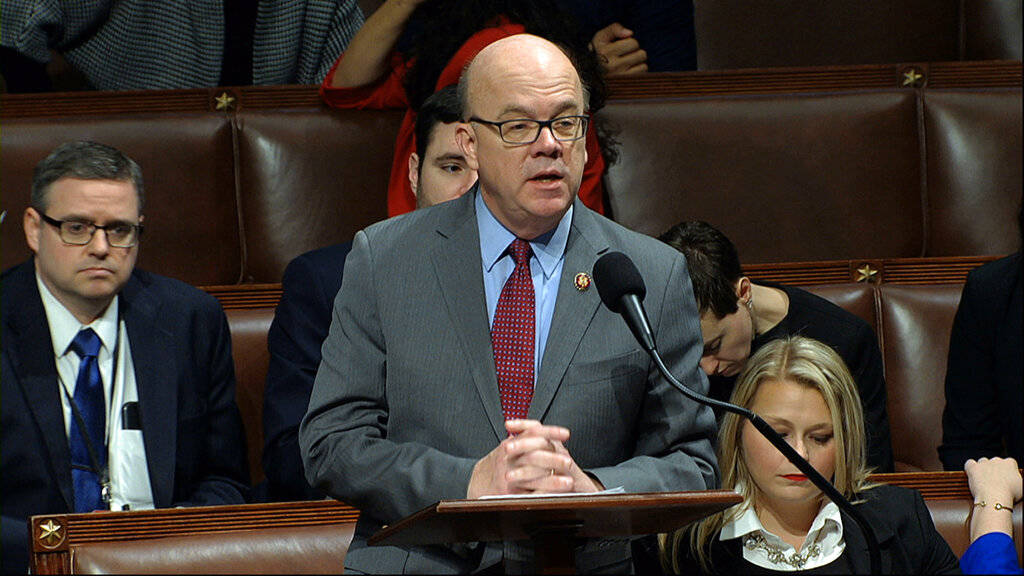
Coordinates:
545 268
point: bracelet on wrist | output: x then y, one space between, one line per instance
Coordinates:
995 506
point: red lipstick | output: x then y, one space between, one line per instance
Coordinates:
795 477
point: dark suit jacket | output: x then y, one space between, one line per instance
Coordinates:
303 317
907 538
984 394
406 398
192 431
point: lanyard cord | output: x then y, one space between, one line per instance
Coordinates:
95 468
104 471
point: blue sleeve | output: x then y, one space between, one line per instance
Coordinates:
992 553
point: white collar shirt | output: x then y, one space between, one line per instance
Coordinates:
826 533
126 454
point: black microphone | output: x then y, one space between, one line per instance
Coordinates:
622 290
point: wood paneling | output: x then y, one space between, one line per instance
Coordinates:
55 535
945 270
985 74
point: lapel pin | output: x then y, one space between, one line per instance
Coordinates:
582 281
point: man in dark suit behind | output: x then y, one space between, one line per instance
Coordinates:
142 417
437 173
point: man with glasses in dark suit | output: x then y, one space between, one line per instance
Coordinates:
118 385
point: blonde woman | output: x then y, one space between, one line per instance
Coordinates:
803 389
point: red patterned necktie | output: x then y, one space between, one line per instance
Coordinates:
512 335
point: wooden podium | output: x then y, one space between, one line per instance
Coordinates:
553 523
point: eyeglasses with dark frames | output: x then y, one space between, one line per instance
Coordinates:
527 131
119 234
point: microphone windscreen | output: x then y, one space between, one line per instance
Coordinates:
615 276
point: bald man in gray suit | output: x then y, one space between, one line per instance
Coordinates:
406 408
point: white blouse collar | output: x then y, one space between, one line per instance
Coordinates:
823 544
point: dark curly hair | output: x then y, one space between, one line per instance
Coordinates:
713 263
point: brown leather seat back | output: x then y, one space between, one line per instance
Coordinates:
951 520
973 151
846 163
310 178
249 346
915 325
293 550
191 226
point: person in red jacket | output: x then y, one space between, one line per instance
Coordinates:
382 69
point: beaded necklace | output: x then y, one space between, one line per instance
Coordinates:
757 541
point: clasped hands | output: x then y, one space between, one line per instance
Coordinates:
532 459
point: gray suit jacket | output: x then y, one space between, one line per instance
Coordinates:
406 398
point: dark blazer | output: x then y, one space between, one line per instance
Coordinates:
907 538
984 394
301 321
406 399
192 431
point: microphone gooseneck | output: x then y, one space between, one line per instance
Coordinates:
622 290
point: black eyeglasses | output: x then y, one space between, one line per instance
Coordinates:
526 131
119 234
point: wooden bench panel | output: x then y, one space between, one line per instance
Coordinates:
310 536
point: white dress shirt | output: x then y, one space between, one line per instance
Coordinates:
126 453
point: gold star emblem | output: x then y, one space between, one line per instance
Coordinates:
866 273
50 533
911 77
225 101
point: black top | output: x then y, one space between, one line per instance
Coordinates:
907 539
984 390
854 340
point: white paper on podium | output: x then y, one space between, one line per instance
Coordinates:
616 490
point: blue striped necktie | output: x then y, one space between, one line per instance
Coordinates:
89 399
